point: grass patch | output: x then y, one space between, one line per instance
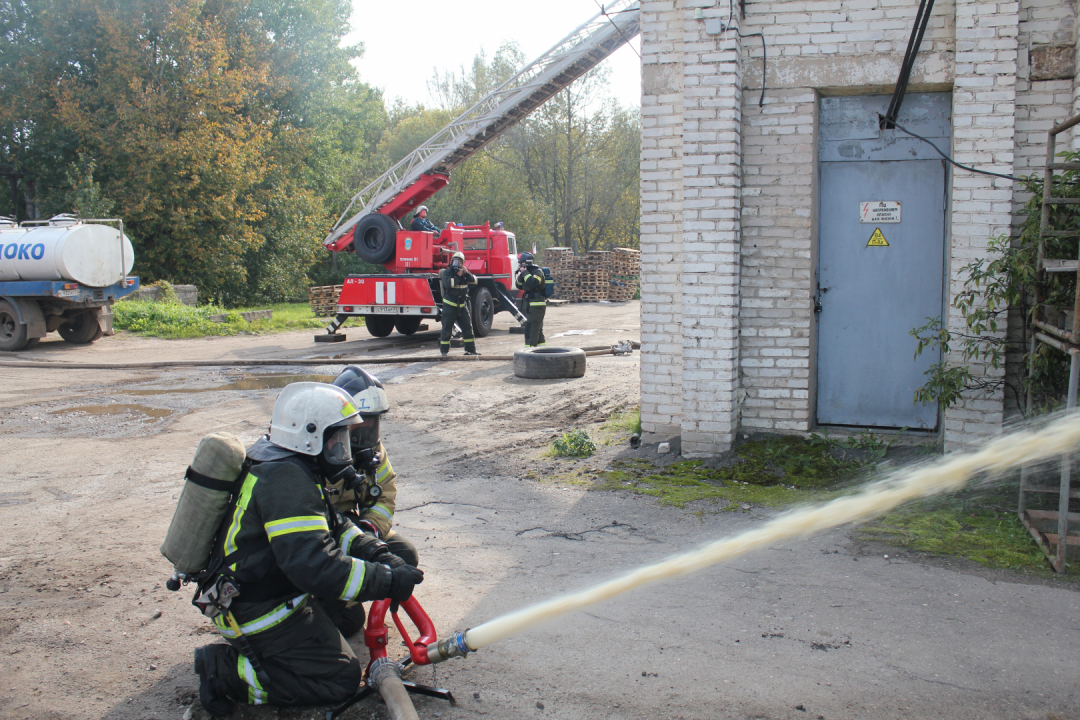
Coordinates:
575 443
977 525
173 320
775 471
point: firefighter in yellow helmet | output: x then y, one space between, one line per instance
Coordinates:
454 282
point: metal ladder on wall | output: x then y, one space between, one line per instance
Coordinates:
1050 528
573 56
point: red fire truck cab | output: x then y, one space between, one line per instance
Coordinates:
409 292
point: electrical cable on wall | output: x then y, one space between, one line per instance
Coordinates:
902 129
729 25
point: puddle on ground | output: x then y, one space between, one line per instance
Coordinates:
252 382
150 413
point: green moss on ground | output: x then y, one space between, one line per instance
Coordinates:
774 471
174 320
978 526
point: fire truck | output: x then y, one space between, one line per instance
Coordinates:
408 293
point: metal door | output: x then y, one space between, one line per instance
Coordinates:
880 260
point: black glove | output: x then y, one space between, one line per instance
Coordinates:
368 460
402 581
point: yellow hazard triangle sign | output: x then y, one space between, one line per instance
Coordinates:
877 239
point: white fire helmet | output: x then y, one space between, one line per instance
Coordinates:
458 256
421 209
305 410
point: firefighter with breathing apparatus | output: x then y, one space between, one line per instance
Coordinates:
532 282
371 502
279 559
454 282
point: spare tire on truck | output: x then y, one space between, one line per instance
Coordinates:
546 363
375 238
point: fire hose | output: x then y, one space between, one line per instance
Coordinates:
42 365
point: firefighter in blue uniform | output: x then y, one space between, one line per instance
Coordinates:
532 281
454 282
293 555
421 223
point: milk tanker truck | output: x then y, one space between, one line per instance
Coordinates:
63 275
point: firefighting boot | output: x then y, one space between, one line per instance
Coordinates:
213 693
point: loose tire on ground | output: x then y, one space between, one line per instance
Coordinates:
12 332
483 308
81 329
379 325
408 324
545 363
375 238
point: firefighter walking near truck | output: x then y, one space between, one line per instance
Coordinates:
532 281
293 557
454 282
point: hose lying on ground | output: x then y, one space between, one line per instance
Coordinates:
226 362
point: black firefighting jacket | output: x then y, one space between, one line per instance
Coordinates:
301 546
454 288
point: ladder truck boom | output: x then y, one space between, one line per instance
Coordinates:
424 171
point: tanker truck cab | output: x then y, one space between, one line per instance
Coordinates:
61 274
410 292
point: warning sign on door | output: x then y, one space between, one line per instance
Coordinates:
879 212
877 239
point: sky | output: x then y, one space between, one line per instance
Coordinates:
404 44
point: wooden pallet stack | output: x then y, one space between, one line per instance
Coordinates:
593 274
625 274
323 300
560 261
610 275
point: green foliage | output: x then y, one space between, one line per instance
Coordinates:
575 443
1005 279
978 525
775 471
174 320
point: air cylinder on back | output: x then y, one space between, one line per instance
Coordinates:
204 500
87 253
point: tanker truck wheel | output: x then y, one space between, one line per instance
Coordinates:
82 329
483 308
375 238
379 325
12 332
546 363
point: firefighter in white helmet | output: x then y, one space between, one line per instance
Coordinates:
420 223
455 281
291 554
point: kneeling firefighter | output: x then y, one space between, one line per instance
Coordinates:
370 504
284 557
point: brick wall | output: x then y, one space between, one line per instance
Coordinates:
757 202
661 215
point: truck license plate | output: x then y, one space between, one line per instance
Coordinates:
67 293
385 309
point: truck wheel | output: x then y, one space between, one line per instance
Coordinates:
12 332
375 238
545 363
379 325
408 324
483 312
81 329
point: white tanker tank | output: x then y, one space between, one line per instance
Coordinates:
87 253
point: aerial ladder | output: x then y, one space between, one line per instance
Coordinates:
410 292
